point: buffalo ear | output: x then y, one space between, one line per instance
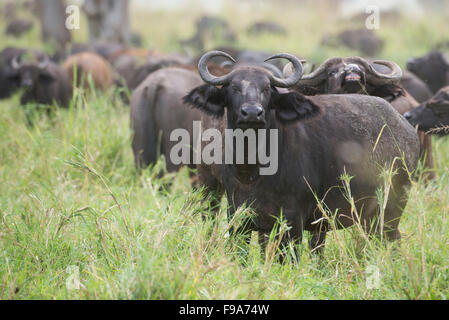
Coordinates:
208 99
46 76
439 103
294 106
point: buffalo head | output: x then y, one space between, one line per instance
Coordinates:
350 75
432 114
432 68
29 74
249 94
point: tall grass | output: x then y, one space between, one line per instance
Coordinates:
70 199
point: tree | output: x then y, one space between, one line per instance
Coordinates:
52 16
108 20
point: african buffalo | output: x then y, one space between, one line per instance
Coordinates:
266 27
154 63
44 82
208 27
319 139
364 40
357 75
433 69
8 87
89 63
417 88
433 114
157 109
18 26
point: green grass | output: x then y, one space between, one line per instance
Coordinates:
70 197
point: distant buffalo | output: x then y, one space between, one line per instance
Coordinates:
266 27
364 40
432 115
89 64
8 87
43 82
18 27
433 69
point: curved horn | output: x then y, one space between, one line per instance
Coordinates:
320 73
288 68
272 68
375 76
296 75
15 64
204 71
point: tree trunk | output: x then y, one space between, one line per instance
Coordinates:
108 20
52 17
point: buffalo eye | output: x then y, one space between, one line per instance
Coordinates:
235 88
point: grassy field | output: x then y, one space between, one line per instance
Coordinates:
72 206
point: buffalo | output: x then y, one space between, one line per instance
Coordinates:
364 40
208 26
432 115
433 69
89 64
266 27
320 139
357 75
8 87
18 27
157 109
417 88
44 82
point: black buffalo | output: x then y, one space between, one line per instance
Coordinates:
320 138
433 114
377 78
266 27
8 87
18 27
157 109
43 81
364 40
433 69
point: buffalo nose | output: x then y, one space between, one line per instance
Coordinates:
252 113
27 83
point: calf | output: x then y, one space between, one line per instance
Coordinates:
319 139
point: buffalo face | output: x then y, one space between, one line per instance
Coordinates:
29 75
351 75
249 95
433 114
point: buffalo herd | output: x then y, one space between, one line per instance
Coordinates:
337 127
